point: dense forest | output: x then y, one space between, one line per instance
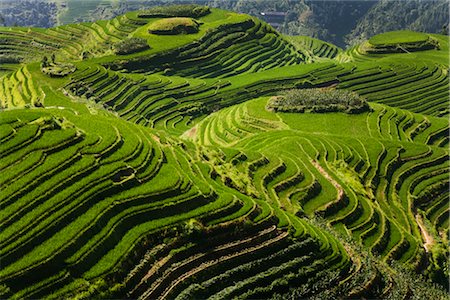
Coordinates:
28 13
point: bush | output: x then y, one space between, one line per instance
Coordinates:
10 59
131 45
58 69
173 26
318 101
191 10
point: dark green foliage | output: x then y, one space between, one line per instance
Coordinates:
28 13
416 15
172 26
318 101
192 10
57 69
44 62
131 45
11 59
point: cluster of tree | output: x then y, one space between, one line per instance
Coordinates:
10 59
131 45
172 26
28 13
426 16
189 10
55 69
318 100
46 63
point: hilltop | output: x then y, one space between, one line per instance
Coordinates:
141 158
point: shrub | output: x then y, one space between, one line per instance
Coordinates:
172 26
58 69
191 10
10 59
131 45
44 62
318 101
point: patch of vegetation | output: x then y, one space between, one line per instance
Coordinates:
59 69
318 100
172 26
56 69
10 59
131 45
192 11
36 13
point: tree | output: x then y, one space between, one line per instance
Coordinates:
84 55
44 62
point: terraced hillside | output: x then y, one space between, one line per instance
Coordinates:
155 171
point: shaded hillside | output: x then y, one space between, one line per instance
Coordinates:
39 13
425 16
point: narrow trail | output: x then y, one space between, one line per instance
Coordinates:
191 133
429 240
329 178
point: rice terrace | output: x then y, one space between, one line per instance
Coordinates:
191 152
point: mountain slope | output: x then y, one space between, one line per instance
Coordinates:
160 173
341 22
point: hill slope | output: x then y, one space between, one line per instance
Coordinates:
159 172
341 22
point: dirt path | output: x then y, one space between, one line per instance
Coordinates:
328 177
191 133
156 138
429 240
